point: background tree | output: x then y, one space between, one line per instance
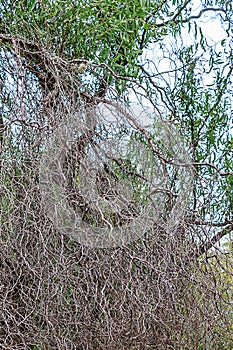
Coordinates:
75 59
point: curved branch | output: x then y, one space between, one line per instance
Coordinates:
215 9
174 18
210 243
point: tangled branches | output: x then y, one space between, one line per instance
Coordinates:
157 288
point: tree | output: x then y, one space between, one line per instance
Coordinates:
77 79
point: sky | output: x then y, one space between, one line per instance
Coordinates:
214 31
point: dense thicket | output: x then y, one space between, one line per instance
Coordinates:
116 118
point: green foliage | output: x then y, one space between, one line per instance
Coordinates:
204 111
85 30
81 29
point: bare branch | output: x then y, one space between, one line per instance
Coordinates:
174 19
210 244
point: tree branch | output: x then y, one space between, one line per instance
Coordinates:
210 243
215 9
174 19
2 128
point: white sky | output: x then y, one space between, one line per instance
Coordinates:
214 31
